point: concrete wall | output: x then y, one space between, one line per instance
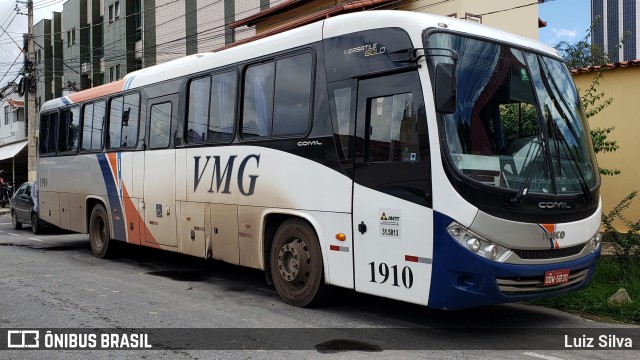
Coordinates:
620 84
522 21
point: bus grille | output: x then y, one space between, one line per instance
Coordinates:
529 285
549 254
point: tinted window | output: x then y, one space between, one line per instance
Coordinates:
93 120
393 129
277 97
123 121
258 100
48 129
44 134
292 95
223 105
160 125
197 118
87 125
68 130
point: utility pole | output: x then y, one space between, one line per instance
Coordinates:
31 98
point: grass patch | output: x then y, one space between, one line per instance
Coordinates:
592 301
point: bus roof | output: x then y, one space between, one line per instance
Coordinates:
415 22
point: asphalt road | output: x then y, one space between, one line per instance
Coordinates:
53 281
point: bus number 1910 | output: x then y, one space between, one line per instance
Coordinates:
383 271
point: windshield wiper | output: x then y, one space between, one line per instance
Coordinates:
524 189
557 135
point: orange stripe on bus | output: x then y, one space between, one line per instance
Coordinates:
134 217
549 227
96 92
113 164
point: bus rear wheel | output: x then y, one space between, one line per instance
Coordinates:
296 264
99 233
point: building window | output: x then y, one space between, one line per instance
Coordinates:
118 72
111 74
39 56
73 36
6 115
137 18
117 9
110 14
68 38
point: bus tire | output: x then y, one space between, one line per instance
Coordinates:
296 264
99 233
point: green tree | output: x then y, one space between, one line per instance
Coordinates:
583 54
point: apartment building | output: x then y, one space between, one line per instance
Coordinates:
100 41
616 20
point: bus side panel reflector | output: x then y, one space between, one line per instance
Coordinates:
338 248
417 259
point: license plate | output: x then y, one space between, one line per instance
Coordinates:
555 277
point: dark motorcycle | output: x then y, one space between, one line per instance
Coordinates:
6 192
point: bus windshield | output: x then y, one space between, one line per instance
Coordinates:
518 121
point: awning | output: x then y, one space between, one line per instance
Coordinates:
9 151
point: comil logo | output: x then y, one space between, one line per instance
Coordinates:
554 205
23 339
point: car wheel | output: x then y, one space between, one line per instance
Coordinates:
296 264
35 224
99 233
17 225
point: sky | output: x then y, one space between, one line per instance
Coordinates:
567 20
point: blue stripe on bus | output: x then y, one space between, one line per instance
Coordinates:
117 216
461 279
127 83
65 100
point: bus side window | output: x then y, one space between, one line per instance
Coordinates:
223 105
257 114
343 114
123 121
393 132
197 116
160 126
48 132
68 130
277 97
44 134
87 126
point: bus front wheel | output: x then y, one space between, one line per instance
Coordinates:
296 264
99 234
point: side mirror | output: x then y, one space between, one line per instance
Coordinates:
445 94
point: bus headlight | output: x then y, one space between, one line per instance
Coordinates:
595 241
477 244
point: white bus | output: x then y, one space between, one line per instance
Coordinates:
406 155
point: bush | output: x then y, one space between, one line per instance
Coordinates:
626 246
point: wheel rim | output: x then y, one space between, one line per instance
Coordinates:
100 232
294 262
34 222
14 219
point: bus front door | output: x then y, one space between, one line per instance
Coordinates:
392 211
159 173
